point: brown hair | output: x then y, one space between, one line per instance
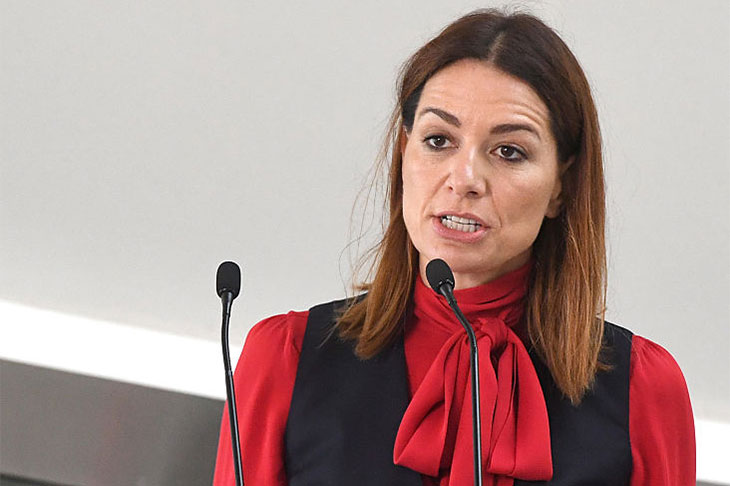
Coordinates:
565 303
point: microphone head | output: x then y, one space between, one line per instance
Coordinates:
228 279
438 274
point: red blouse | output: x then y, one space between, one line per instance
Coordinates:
661 425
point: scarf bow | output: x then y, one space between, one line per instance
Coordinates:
435 434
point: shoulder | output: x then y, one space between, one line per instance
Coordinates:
654 370
658 396
285 333
272 348
280 332
648 360
324 315
661 419
617 336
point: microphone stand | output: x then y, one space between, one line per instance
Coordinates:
227 300
441 279
474 364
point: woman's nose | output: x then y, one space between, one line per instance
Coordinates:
465 177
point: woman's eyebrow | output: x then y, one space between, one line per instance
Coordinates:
513 127
496 130
445 115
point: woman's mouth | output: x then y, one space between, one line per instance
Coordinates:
463 229
466 225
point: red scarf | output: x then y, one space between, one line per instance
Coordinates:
435 434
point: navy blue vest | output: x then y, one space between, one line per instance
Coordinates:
345 414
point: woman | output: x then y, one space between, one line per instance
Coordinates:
496 168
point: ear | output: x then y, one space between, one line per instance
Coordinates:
556 198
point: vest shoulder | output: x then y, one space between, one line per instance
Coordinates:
616 347
336 305
613 332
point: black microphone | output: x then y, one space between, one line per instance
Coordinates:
441 279
228 279
227 286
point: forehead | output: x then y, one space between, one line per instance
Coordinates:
477 92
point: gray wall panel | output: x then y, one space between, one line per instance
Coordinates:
78 430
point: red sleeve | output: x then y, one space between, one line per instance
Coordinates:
264 381
661 424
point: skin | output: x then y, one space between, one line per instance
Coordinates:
481 147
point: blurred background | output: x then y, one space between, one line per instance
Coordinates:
142 143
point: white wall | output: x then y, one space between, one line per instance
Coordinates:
144 142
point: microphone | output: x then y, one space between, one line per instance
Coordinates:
228 285
441 279
228 279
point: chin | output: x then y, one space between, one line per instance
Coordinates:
461 263
478 269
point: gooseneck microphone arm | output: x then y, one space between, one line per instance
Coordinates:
228 284
441 279
476 415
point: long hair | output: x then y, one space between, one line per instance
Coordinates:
566 298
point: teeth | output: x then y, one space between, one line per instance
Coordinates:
460 224
457 219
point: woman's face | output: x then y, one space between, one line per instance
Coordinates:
480 172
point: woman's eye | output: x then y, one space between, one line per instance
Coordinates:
510 153
437 142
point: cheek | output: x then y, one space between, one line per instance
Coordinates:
524 203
